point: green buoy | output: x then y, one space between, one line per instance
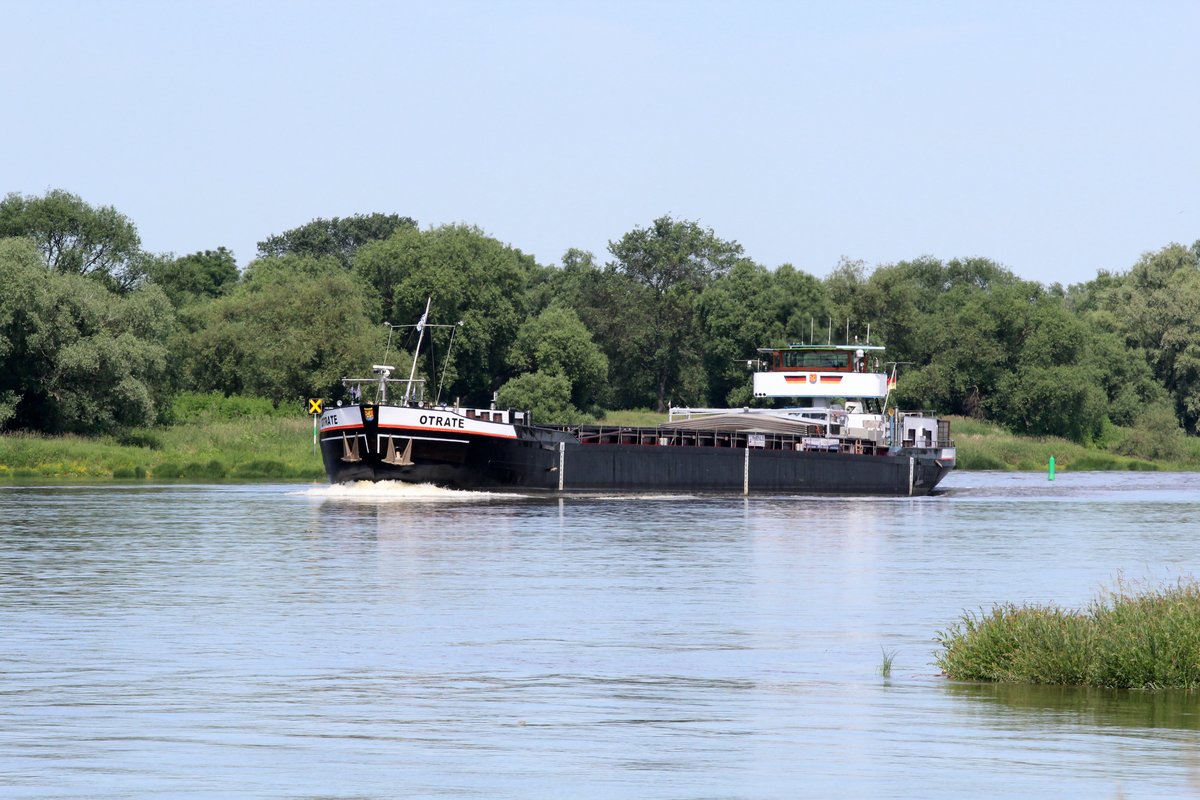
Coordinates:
1051 467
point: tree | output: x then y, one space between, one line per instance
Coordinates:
556 342
846 287
289 331
569 284
752 307
199 276
667 266
1156 310
23 305
799 301
473 279
337 237
75 356
384 264
113 373
546 395
1061 400
1155 435
74 237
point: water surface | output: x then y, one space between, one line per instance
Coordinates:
375 642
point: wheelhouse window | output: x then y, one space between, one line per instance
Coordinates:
825 360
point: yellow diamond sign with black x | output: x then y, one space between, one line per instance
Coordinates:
315 404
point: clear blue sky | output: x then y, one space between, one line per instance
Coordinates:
1056 138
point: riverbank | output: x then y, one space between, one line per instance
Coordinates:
213 438
256 449
216 438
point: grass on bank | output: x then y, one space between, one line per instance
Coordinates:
987 446
1146 640
213 438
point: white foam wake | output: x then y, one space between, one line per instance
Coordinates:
399 492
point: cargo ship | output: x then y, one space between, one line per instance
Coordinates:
827 427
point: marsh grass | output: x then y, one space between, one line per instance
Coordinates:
885 665
1143 640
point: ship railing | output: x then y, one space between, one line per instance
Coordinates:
683 413
381 390
935 444
812 440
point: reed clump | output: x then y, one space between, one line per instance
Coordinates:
1124 639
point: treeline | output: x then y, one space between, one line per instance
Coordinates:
97 334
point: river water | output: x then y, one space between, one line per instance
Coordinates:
300 641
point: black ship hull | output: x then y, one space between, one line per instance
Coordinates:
538 459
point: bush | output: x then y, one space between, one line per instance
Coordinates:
137 473
214 406
168 471
548 396
135 438
262 468
1155 436
211 470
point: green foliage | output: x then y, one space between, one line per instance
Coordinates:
655 279
246 448
75 356
264 273
556 342
984 445
676 314
292 329
670 253
620 317
472 278
195 407
981 342
1156 436
1156 310
134 437
1052 401
23 305
885 666
751 307
635 418
1149 640
547 395
567 285
199 276
75 238
969 339
338 237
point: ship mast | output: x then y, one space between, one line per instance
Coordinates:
416 353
